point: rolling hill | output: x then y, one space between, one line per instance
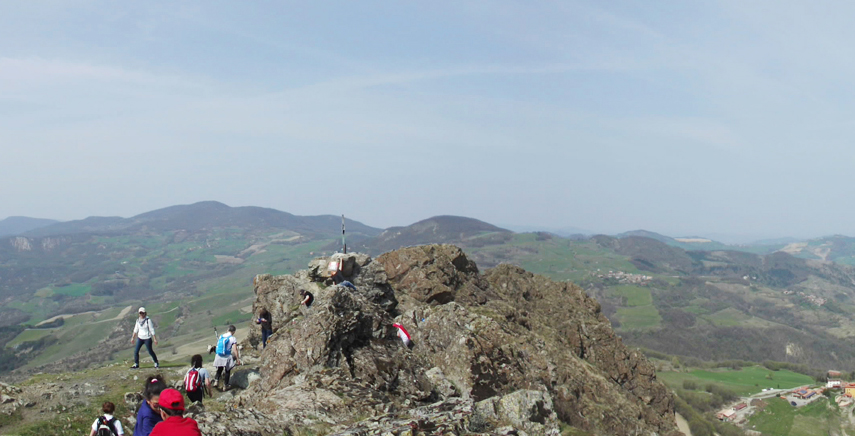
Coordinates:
206 215
465 232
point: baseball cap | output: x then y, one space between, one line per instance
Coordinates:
142 309
171 399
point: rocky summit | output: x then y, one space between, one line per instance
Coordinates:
499 352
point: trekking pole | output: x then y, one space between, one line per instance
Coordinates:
211 348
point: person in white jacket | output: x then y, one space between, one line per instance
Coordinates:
144 334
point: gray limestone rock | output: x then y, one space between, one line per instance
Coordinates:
243 378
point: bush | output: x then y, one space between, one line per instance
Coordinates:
690 385
700 427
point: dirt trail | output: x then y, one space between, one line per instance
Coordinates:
63 316
121 315
683 425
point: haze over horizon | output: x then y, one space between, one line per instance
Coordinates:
685 119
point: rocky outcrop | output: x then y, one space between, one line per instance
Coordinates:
503 352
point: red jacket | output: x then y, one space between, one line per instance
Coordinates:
176 426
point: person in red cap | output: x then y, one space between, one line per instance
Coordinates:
172 411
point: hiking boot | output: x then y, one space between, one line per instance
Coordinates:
135 366
156 365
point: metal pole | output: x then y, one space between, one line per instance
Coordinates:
343 244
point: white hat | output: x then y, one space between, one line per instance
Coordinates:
142 309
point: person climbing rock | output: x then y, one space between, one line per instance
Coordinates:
228 356
266 322
144 334
307 297
404 335
149 413
197 381
107 423
172 411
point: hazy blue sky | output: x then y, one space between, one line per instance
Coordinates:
680 117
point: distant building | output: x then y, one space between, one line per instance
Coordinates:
833 375
834 384
802 393
726 414
849 390
739 406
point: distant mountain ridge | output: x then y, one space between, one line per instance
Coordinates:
15 225
206 215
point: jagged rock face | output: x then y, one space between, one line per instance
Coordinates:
503 348
571 321
435 274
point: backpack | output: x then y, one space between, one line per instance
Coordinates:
106 427
222 346
192 381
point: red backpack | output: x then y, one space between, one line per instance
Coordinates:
192 381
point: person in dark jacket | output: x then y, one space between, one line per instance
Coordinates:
307 297
266 322
149 414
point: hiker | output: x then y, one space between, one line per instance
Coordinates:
172 411
107 425
404 335
338 277
308 298
197 381
228 356
149 414
144 334
266 322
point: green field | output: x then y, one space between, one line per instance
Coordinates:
729 317
634 295
822 417
559 259
73 290
746 381
28 335
638 318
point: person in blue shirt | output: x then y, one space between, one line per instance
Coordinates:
149 414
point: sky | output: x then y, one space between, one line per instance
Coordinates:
725 118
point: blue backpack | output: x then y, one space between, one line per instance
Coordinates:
222 344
